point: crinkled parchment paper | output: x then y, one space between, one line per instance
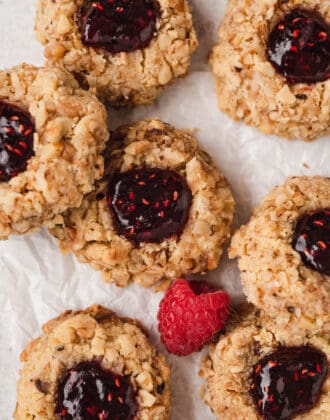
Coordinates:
37 282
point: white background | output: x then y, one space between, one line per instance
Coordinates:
37 282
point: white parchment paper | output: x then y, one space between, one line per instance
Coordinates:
37 282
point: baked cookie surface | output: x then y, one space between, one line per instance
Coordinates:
58 132
248 85
115 349
284 252
135 70
181 213
240 354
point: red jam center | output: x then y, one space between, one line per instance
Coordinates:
89 392
312 240
299 47
288 381
118 25
149 205
16 140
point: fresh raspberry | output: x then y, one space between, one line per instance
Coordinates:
190 314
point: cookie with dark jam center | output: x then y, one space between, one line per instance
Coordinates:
90 392
288 381
16 140
149 205
299 47
118 25
312 240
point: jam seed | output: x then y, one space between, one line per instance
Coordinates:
91 410
323 36
307 252
18 152
98 6
322 244
9 147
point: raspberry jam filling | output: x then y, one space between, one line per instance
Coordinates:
149 205
288 381
299 47
118 25
312 240
16 140
89 392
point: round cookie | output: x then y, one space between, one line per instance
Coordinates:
87 350
236 362
120 63
276 275
251 88
52 134
193 197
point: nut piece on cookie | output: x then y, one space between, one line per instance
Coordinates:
162 210
92 364
127 51
272 66
52 134
260 371
284 253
